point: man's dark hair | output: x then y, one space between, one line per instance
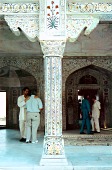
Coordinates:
34 92
85 96
25 88
94 97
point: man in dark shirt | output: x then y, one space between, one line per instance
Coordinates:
85 108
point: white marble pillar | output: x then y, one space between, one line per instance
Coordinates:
53 147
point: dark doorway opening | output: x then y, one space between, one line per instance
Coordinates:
90 92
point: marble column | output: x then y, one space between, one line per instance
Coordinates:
53 147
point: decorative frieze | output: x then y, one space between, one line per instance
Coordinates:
18 8
89 7
100 10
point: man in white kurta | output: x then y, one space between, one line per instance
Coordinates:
95 115
21 102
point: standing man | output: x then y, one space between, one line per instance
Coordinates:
95 115
21 102
34 106
85 108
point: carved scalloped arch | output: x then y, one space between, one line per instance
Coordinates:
19 64
80 63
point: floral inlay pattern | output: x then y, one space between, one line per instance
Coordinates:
52 16
54 146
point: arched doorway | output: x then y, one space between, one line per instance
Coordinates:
88 85
12 81
91 80
88 91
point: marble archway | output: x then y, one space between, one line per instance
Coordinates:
103 90
30 65
12 81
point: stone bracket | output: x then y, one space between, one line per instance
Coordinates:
76 25
28 24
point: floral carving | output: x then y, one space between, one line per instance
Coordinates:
52 16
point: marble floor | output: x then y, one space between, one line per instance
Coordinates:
15 155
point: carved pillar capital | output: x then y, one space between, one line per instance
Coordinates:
53 47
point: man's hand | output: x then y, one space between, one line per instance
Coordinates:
80 115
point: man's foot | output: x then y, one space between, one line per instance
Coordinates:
82 133
22 140
28 141
91 133
35 141
96 132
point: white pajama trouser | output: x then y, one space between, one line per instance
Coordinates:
95 124
22 127
32 124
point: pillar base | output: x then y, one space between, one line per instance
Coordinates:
53 160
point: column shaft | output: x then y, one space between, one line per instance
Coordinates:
53 147
53 143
